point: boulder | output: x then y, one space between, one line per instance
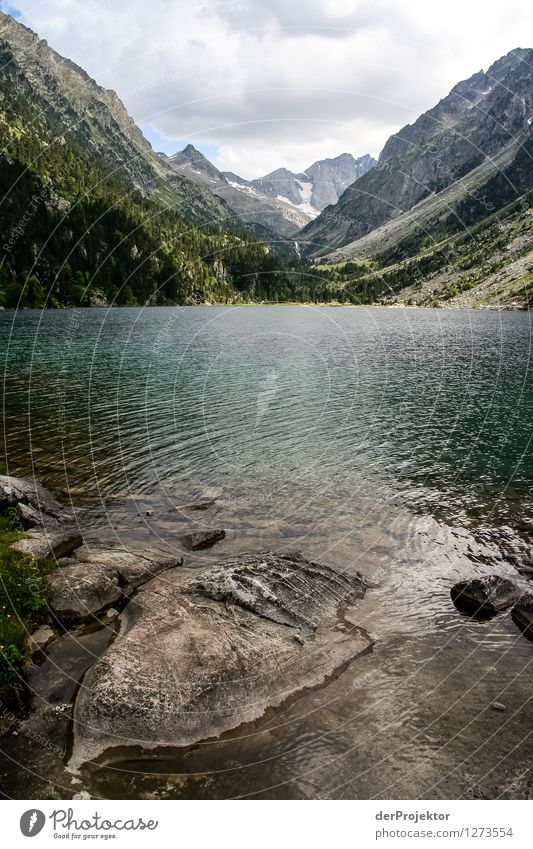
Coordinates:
197 656
201 539
486 595
49 542
29 491
133 566
522 614
28 516
77 593
100 576
41 638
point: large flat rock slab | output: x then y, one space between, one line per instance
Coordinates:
77 593
205 653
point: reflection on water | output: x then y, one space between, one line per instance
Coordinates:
395 441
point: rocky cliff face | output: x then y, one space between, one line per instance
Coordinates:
282 200
480 118
265 216
331 177
319 185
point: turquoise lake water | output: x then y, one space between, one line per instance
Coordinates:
279 407
395 440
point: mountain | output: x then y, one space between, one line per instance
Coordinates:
460 144
96 118
282 201
89 214
319 185
487 264
267 218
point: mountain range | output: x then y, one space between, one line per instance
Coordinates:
478 130
445 217
283 201
95 118
91 213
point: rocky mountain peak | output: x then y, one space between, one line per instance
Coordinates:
483 121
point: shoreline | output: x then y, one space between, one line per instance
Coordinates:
329 304
44 738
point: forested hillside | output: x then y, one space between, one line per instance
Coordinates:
75 233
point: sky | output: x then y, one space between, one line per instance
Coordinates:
260 84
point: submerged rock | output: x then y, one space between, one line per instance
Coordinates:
197 540
200 655
193 506
486 595
522 614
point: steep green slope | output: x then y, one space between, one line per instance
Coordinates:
74 232
488 264
95 119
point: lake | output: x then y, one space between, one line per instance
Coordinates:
398 440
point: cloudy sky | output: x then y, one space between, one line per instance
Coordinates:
257 84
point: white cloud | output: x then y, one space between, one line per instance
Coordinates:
277 83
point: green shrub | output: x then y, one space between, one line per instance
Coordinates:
23 602
13 650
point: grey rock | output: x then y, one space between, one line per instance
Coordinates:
486 595
197 656
49 542
201 539
522 614
200 504
133 566
41 638
324 181
29 491
100 576
79 592
28 516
